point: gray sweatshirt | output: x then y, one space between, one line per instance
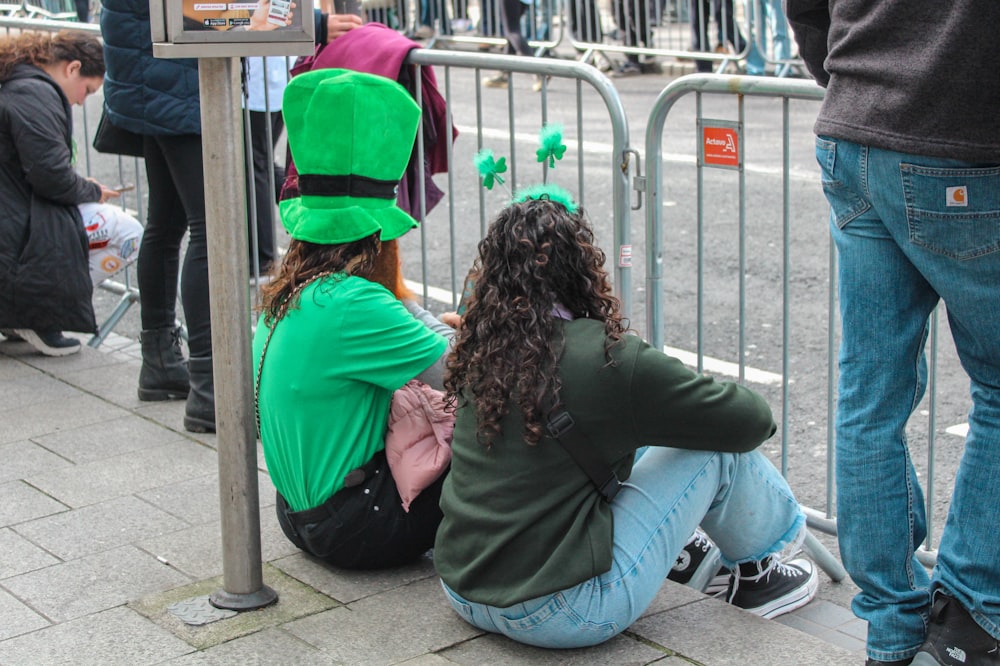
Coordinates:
914 76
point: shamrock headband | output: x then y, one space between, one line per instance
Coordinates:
551 149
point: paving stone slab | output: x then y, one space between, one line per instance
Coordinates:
16 618
34 388
348 586
107 439
19 503
495 649
94 583
265 648
170 414
713 632
99 527
118 636
60 366
18 555
197 500
295 600
44 418
128 473
24 458
117 382
197 550
416 617
12 367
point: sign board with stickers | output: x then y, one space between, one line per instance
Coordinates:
208 29
720 144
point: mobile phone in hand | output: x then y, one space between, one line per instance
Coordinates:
123 187
279 11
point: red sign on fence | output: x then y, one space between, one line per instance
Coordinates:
720 145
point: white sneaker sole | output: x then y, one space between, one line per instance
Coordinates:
29 336
797 598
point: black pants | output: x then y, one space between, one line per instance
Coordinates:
365 527
82 10
264 196
176 204
511 12
727 32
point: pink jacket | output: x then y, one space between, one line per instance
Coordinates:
418 441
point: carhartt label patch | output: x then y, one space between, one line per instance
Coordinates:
957 196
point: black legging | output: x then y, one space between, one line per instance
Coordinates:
176 204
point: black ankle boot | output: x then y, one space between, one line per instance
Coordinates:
164 373
199 413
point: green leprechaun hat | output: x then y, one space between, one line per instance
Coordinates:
351 135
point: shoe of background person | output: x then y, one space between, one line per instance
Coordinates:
10 335
50 343
698 561
539 82
954 638
629 68
164 372
501 80
770 588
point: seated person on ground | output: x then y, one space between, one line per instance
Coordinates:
333 344
529 547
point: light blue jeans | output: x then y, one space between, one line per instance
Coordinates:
740 500
912 230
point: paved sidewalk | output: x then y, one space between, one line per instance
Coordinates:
109 515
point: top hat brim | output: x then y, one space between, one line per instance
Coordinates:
333 226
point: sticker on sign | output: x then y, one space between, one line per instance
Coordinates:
720 145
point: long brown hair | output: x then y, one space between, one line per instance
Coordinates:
306 261
44 48
535 257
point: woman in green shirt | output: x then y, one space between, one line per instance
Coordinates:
528 546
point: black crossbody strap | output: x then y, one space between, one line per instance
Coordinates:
561 427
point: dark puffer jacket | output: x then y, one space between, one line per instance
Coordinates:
44 275
143 94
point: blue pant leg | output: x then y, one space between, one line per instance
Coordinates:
884 304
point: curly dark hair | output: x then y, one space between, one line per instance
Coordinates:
44 48
306 261
536 256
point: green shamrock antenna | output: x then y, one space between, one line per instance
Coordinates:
490 168
551 147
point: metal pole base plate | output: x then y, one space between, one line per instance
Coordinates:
265 596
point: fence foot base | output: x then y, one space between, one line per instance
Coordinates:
265 596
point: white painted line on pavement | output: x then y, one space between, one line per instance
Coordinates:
960 430
711 365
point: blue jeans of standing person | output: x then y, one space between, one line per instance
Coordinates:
911 231
740 500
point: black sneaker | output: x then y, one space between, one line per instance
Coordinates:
50 343
770 588
954 638
876 662
10 335
699 557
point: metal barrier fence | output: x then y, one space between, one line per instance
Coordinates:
714 34
726 284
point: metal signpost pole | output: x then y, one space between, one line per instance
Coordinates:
225 210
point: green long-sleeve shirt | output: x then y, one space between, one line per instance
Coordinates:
521 521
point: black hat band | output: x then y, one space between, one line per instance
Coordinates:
346 186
